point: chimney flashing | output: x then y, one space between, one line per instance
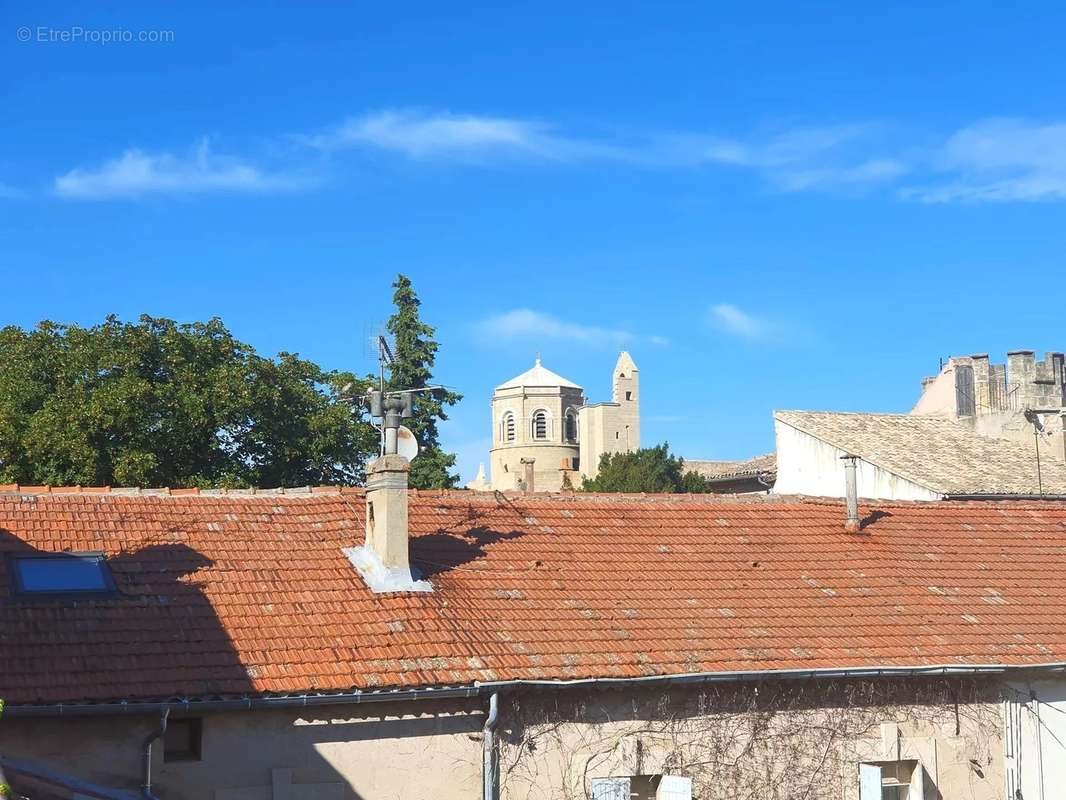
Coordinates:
381 579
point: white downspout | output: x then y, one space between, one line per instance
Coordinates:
488 746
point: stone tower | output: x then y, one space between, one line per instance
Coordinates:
535 418
612 427
993 398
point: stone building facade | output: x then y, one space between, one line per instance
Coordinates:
993 398
541 422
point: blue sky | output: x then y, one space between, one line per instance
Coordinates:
769 205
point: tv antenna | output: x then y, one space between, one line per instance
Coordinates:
1040 430
393 406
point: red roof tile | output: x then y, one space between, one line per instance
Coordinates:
231 593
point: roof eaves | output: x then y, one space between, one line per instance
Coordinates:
310 699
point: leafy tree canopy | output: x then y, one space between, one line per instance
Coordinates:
415 353
651 469
157 403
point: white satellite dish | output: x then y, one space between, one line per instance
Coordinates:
406 443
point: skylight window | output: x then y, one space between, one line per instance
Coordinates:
62 573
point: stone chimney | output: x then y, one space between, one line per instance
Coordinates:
527 475
384 560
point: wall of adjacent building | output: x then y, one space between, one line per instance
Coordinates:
1035 739
807 465
793 739
607 428
774 739
373 751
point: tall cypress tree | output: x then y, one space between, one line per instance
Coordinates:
415 352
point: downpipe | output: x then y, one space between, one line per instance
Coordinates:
488 747
158 733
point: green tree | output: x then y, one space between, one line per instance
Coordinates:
415 353
157 403
651 469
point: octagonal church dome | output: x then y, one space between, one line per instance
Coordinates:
538 375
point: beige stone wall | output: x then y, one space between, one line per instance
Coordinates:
375 751
612 427
552 455
785 740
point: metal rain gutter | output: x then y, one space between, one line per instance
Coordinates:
188 705
796 674
487 687
1005 496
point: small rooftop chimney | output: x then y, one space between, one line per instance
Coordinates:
851 493
384 559
527 474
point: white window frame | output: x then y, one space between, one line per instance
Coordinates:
508 417
872 783
670 787
548 426
610 789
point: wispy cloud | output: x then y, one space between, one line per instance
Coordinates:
136 173
792 159
421 134
527 324
9 192
524 323
732 320
1000 160
811 158
424 134
990 161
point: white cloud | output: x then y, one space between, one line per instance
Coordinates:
732 320
800 158
1000 160
876 170
423 135
809 158
9 192
537 326
136 173
524 323
994 160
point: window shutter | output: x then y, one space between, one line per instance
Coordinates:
610 789
869 782
916 791
674 787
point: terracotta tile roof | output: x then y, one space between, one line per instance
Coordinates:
943 455
250 593
728 470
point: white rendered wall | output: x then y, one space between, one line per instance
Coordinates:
808 465
1035 741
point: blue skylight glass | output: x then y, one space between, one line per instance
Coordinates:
62 573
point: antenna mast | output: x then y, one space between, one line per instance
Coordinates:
393 406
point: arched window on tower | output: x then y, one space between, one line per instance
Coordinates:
571 425
540 425
507 427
